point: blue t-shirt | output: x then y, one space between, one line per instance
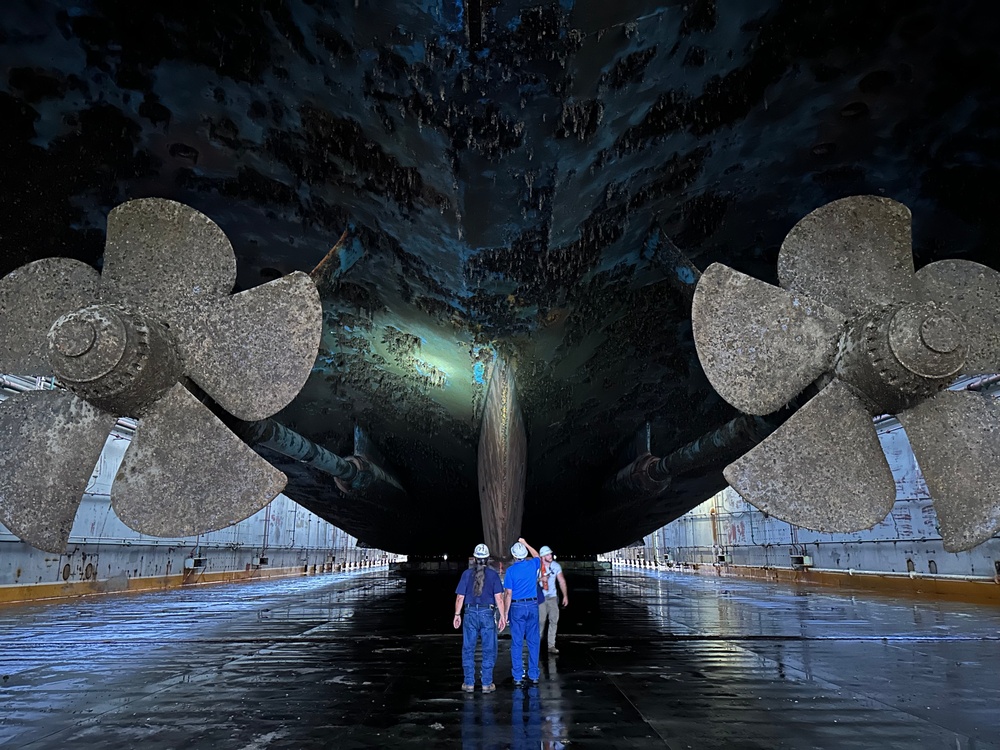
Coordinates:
522 579
491 587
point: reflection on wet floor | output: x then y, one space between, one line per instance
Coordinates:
370 660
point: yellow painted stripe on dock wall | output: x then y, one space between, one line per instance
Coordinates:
18 593
976 592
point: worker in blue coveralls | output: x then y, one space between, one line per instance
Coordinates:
481 592
521 600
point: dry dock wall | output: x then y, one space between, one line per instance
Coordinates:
104 555
727 536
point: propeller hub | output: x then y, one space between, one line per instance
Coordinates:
114 357
927 341
87 344
898 355
73 336
941 333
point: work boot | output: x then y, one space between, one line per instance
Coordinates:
553 650
468 688
489 688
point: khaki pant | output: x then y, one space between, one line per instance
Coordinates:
549 611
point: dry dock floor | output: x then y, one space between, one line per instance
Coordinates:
647 659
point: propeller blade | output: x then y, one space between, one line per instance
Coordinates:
972 293
852 254
50 442
186 473
955 437
823 469
760 345
253 352
32 298
166 257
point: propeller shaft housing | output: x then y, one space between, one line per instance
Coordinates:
636 480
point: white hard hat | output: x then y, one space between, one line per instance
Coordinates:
545 550
519 551
481 552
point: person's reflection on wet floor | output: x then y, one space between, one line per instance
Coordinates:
536 718
552 708
479 730
526 719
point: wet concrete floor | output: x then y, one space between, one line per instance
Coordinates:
370 660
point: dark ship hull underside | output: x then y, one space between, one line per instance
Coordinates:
537 184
